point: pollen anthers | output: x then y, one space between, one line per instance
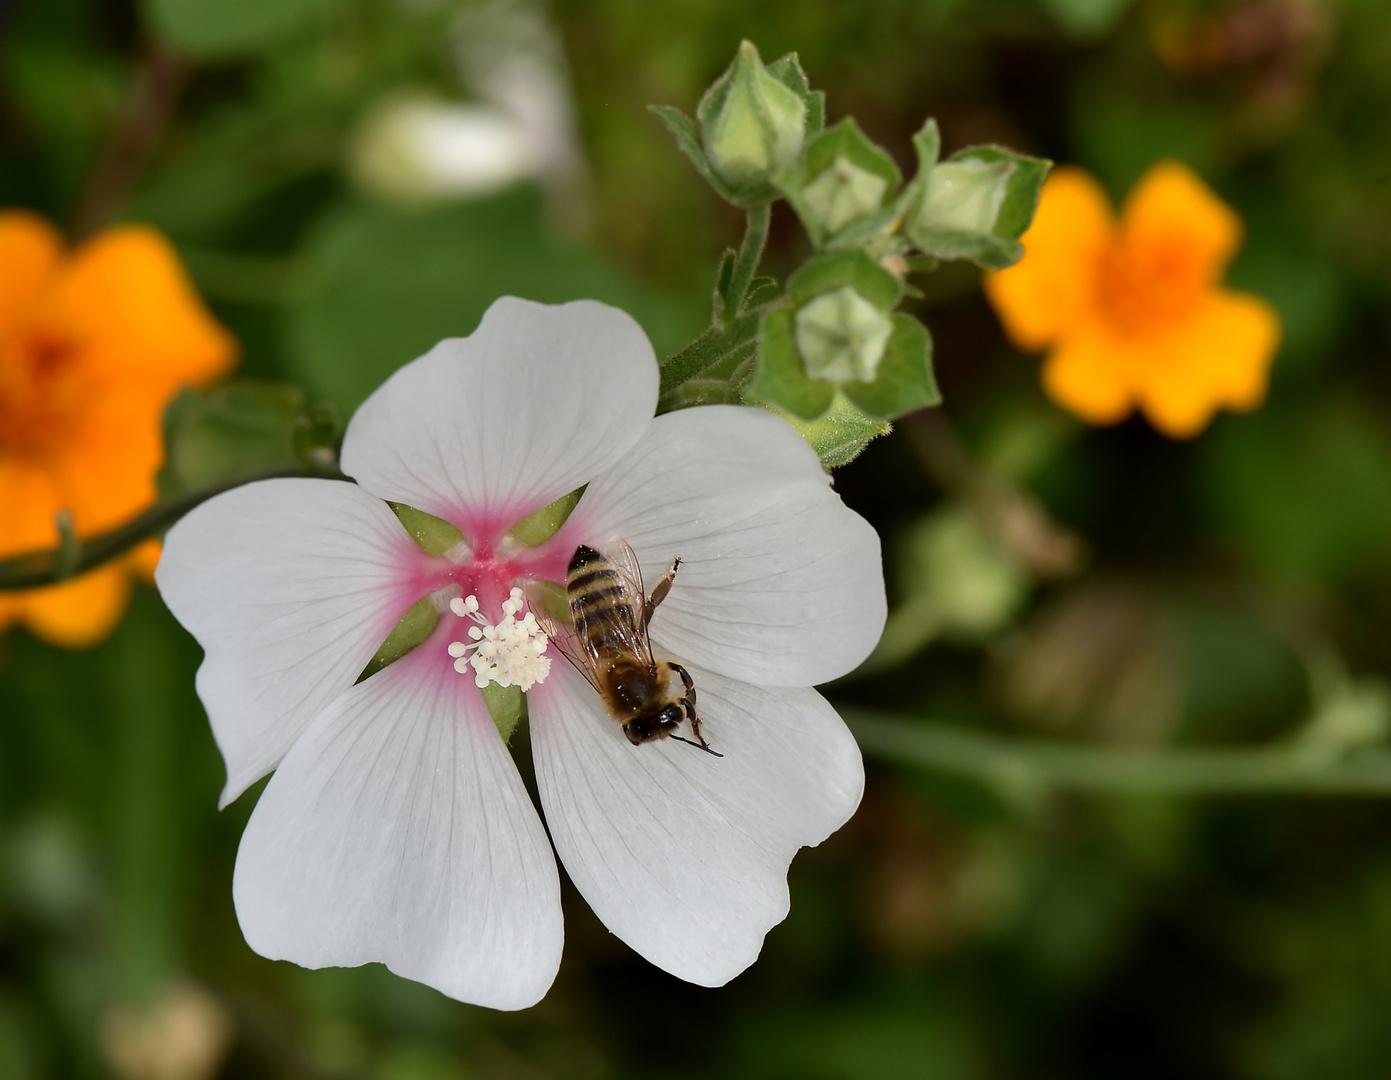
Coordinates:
510 653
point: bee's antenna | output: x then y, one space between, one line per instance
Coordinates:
697 745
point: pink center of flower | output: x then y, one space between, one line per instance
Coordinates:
487 628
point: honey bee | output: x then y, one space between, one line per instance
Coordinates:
649 695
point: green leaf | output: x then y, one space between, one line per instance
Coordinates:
904 380
835 270
434 535
546 522
840 180
507 707
242 427
415 626
384 284
840 435
211 28
779 379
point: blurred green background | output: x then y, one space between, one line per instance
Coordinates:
1101 588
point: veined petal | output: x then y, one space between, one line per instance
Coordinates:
290 586
1053 287
397 830
780 582
484 430
681 854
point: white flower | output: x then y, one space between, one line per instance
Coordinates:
396 828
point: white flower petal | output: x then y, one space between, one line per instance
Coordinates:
493 426
290 586
684 855
397 830
780 582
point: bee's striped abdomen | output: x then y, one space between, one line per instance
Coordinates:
601 605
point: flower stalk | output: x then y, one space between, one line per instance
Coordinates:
73 556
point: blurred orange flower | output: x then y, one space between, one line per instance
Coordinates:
93 344
1132 312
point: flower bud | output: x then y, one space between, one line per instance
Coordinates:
842 336
842 194
751 124
976 205
965 196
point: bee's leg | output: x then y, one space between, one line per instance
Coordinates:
659 593
689 702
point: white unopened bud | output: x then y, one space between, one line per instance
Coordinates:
842 336
843 194
965 196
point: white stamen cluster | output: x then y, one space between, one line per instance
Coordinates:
510 653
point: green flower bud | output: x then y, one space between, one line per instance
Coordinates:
751 124
965 196
842 336
842 194
976 205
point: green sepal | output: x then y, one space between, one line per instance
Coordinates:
904 380
507 707
550 599
1013 179
688 140
788 71
840 435
780 379
414 627
760 289
813 167
434 535
719 300
836 269
546 522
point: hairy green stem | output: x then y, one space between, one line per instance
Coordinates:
708 350
72 557
1029 765
746 262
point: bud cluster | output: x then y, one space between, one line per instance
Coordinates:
832 343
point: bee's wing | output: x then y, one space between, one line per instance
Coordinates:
620 553
547 602
625 561
565 642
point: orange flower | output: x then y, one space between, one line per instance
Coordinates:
1132 313
93 344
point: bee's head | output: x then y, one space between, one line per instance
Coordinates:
646 728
